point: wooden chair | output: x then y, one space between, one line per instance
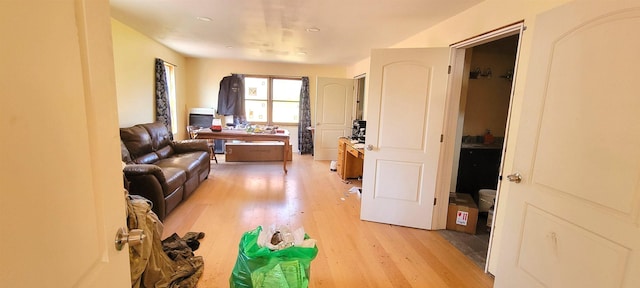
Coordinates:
191 131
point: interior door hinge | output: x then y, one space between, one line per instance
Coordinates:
449 70
435 200
441 138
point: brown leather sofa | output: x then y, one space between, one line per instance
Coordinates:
161 170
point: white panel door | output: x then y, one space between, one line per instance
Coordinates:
573 221
334 115
62 196
405 115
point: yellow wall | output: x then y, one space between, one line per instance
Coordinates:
134 58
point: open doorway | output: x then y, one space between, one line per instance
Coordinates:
481 130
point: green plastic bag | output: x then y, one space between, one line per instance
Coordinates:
259 267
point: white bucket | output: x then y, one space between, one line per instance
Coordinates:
487 198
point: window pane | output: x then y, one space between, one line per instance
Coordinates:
286 89
285 112
255 88
256 110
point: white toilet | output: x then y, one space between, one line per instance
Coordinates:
487 198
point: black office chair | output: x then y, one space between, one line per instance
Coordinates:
191 131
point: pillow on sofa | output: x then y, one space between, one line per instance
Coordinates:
165 152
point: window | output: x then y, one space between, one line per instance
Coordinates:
171 92
272 100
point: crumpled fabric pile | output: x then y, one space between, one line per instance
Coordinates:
159 263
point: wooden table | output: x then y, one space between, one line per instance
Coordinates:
242 135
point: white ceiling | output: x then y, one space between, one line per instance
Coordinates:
275 30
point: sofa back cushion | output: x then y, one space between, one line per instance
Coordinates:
159 133
137 140
146 143
138 143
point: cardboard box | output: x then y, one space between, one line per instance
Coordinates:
463 213
255 151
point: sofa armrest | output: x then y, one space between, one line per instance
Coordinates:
133 170
147 181
184 146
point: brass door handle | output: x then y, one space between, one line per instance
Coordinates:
515 177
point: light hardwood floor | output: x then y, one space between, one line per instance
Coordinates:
238 197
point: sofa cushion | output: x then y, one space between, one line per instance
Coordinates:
160 135
185 146
137 140
149 158
175 178
189 162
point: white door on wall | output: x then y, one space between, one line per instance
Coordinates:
334 115
573 220
405 114
62 199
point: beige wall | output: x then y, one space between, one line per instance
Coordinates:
134 58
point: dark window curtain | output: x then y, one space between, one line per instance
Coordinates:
305 136
163 111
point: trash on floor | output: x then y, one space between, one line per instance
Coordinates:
357 190
280 237
288 265
333 166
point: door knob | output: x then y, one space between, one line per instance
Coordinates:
369 147
515 177
133 237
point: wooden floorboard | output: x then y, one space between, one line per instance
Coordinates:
240 196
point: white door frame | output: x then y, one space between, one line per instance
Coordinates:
456 87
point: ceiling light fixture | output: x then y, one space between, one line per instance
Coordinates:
312 29
204 19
